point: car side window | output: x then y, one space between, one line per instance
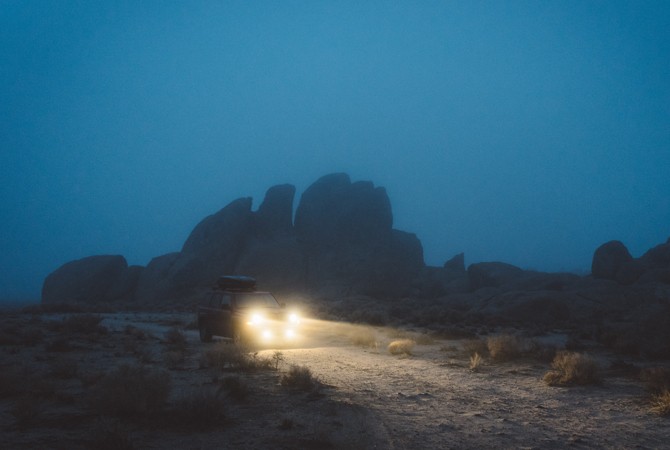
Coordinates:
215 300
226 300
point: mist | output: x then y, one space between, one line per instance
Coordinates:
523 132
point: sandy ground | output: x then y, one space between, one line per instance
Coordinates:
368 399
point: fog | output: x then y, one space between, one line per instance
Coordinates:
524 132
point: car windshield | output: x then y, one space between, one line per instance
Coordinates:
256 300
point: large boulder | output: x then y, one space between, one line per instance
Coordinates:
345 230
277 264
274 217
492 274
612 261
334 212
213 247
154 283
91 279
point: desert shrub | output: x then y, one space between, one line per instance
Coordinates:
110 435
58 345
26 410
12 382
235 387
89 379
224 356
174 358
475 362
471 346
31 337
174 337
660 403
363 337
300 378
64 369
84 324
570 368
656 379
277 358
199 409
504 347
135 332
131 390
286 424
401 347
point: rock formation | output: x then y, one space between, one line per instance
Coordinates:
101 277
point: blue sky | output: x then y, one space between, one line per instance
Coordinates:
521 131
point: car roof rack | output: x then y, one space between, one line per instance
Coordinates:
236 283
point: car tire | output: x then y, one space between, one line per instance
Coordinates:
205 334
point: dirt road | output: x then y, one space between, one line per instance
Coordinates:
432 400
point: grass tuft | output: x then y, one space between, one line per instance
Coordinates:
300 378
401 347
660 403
130 391
571 368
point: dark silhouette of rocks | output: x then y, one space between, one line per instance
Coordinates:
492 274
456 264
275 215
609 259
343 247
101 277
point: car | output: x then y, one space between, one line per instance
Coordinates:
234 309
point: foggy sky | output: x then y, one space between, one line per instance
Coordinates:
520 131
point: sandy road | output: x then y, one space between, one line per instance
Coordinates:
432 400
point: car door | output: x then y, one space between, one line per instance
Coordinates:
219 304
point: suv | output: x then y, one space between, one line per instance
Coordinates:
235 309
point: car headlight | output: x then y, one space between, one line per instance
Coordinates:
294 318
256 319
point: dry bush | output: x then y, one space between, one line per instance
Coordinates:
224 356
130 391
570 368
174 358
300 378
26 410
59 345
363 337
12 382
235 387
475 362
656 379
88 379
504 347
471 346
84 324
174 337
110 435
135 332
401 347
660 403
64 369
199 409
31 337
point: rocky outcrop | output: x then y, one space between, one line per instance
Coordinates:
612 261
456 265
492 274
91 279
274 217
335 212
346 233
